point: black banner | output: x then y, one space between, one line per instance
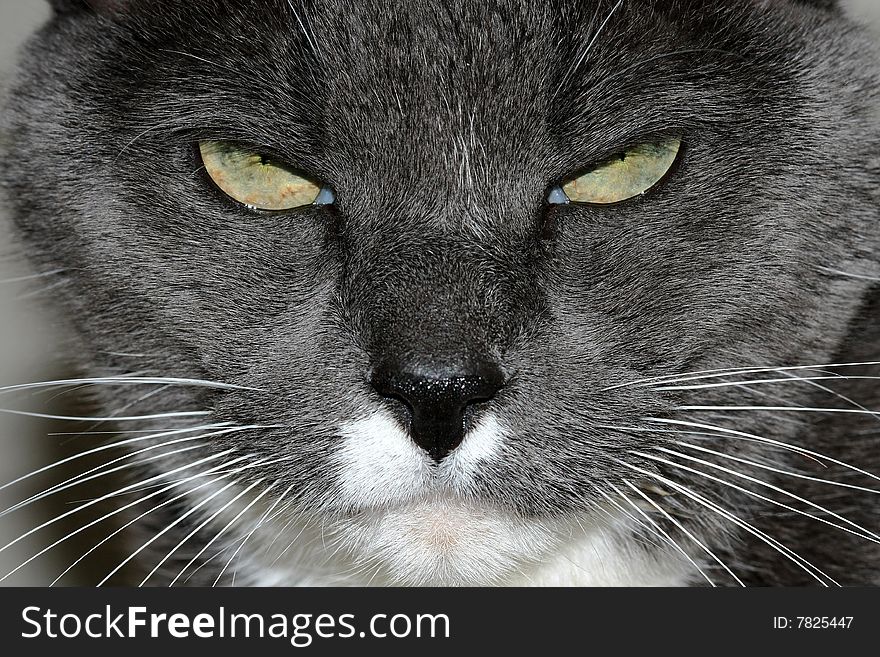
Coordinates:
428 621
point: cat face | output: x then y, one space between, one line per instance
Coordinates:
453 368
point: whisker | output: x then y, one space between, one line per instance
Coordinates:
665 534
78 480
816 456
754 382
133 418
143 515
207 561
831 392
787 473
125 380
847 274
102 518
717 373
653 533
170 526
195 531
291 544
572 70
716 432
795 409
671 519
103 471
222 531
103 448
309 36
787 552
31 277
86 505
35 293
142 398
231 523
871 536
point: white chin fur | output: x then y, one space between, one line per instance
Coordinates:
414 525
448 542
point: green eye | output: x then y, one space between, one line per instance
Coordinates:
254 180
624 176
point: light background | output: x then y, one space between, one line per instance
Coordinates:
29 348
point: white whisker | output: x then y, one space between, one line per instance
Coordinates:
870 536
818 457
133 418
665 534
233 521
78 480
717 373
104 470
222 531
31 277
690 535
795 409
755 382
647 538
580 60
787 473
91 503
103 448
787 552
168 528
125 380
195 531
104 517
172 500
847 274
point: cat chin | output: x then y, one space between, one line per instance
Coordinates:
447 542
411 522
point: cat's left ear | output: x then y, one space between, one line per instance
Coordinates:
73 6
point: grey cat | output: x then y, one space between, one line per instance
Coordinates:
578 292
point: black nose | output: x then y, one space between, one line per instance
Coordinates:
437 398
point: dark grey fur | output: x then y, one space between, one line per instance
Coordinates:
726 265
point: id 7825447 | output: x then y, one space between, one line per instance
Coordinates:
813 622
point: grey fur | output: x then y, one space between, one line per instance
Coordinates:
442 126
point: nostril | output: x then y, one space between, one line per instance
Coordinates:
437 398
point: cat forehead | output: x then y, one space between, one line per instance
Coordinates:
457 53
392 35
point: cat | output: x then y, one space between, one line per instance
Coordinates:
495 292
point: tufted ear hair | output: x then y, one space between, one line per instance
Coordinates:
72 6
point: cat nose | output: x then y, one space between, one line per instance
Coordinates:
437 397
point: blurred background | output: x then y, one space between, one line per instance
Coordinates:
31 348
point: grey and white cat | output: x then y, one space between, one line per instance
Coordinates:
480 292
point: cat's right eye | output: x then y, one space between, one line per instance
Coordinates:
258 181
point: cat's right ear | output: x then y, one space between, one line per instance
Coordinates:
74 6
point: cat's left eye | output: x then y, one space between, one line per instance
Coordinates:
628 174
257 181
